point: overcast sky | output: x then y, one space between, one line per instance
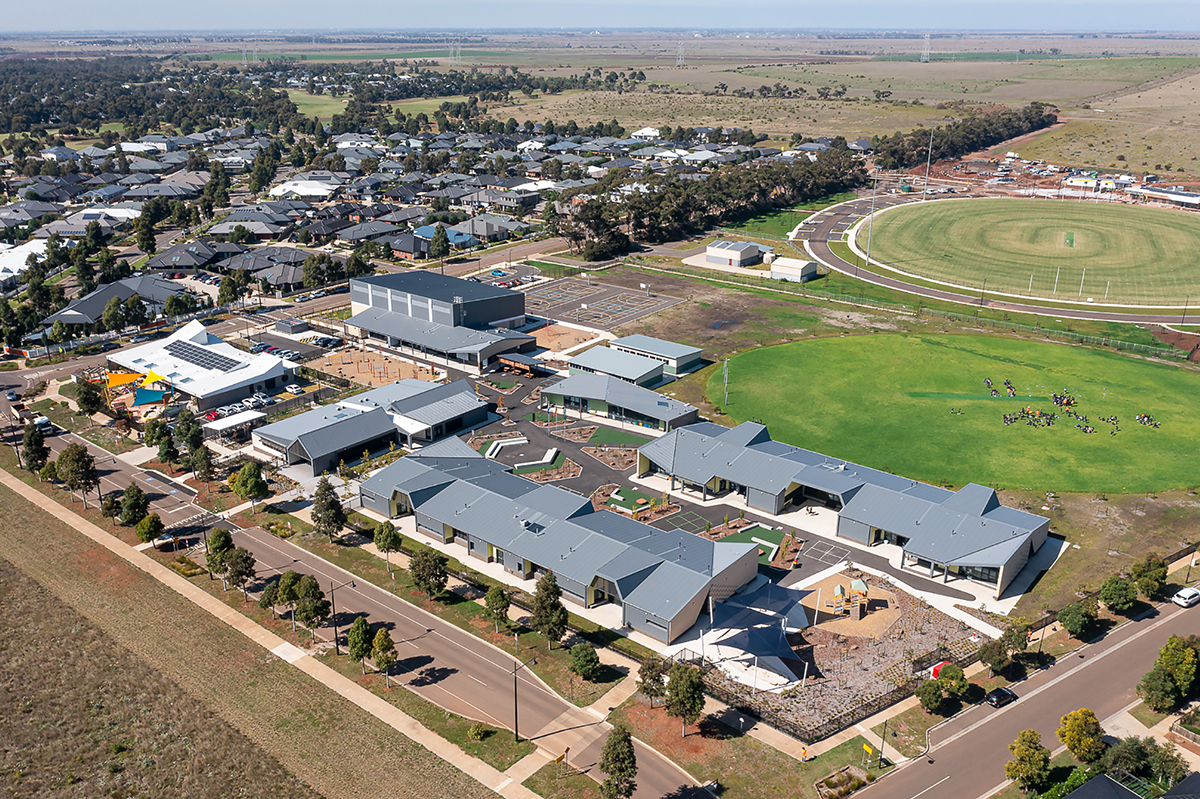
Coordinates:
1028 15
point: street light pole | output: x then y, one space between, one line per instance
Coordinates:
870 222
516 733
333 607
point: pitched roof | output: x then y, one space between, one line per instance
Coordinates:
622 394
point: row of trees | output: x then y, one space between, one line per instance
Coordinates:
979 130
1080 732
1172 681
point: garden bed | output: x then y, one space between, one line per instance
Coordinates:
843 782
619 458
579 435
634 504
562 468
477 442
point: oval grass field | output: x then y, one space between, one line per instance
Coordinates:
886 401
1138 255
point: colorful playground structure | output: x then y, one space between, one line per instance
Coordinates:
854 604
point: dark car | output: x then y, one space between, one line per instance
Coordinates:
1000 697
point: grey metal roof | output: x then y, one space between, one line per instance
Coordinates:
434 335
621 364
330 429
434 286
422 401
667 349
622 394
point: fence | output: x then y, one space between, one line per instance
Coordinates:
1184 732
786 287
99 338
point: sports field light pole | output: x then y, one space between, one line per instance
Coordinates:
1185 305
870 224
333 608
928 161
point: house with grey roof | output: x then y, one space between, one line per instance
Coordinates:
408 412
965 533
88 309
636 369
676 358
617 399
660 579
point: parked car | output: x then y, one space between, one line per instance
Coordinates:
273 350
1000 697
109 345
295 388
138 339
319 294
251 402
209 321
10 395
340 290
1186 597
212 416
43 424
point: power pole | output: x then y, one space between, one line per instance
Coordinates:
679 61
925 51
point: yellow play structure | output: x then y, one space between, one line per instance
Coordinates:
855 604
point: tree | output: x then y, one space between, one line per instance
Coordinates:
77 469
34 450
202 463
312 608
239 569
994 655
549 617
953 680
383 652
1118 593
286 591
1158 689
685 694
113 316
931 695
497 603
1081 733
328 515
1077 617
168 453
135 311
88 397
439 245
429 573
1030 766
154 432
220 544
1166 764
652 678
49 474
1178 659
1150 574
270 596
618 761
387 541
134 505
110 506
584 661
150 528
249 484
144 230
358 641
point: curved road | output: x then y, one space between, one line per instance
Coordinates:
839 218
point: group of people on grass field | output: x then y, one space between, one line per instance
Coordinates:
1067 401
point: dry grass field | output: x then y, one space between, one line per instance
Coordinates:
219 676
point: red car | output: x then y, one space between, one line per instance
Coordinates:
212 416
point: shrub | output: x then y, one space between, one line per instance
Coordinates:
477 731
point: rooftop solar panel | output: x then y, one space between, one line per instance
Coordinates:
198 356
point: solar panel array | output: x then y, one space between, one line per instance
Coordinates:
198 356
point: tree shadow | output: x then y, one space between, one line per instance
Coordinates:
714 730
431 675
414 663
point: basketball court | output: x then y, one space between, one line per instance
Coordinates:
595 304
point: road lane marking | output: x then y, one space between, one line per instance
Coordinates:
476 679
931 787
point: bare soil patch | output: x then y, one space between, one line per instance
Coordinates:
729 528
568 470
618 458
369 368
557 338
577 434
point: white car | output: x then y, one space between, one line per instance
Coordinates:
294 388
1186 597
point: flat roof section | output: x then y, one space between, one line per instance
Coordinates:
624 365
436 287
657 346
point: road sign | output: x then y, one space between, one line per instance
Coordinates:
867 748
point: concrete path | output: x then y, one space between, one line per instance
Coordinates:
483 773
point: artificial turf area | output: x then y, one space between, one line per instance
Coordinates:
893 402
1137 255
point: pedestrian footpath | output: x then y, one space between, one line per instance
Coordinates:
483 773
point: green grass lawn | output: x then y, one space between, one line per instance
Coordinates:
604 435
1147 717
561 782
747 537
322 106
773 223
1136 255
629 499
886 401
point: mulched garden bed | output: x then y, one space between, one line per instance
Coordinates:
619 458
568 470
477 442
577 434
729 528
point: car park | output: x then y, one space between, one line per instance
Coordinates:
1000 697
1186 597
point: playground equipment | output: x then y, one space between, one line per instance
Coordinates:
854 604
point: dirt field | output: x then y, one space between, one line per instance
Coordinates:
325 741
370 368
557 338
92 719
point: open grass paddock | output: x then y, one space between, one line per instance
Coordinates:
1137 255
886 401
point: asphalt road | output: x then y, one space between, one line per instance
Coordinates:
455 670
968 754
840 217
